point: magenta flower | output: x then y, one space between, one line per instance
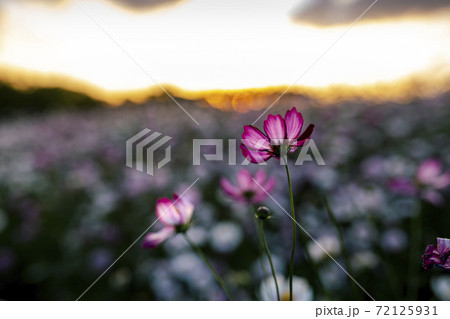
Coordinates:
175 215
429 178
437 255
258 147
247 190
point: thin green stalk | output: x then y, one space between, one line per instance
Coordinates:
260 250
261 228
211 268
294 229
317 282
342 243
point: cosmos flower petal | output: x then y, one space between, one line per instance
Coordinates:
254 139
443 246
167 212
428 171
244 180
294 123
430 257
275 129
255 156
185 208
154 239
442 181
229 188
260 177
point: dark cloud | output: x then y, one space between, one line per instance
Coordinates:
332 12
129 4
144 4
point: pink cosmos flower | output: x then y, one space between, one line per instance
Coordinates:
258 147
430 177
430 174
437 255
175 215
247 190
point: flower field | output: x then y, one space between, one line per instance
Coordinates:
70 207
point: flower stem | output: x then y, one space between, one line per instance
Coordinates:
261 228
294 228
211 268
260 250
303 241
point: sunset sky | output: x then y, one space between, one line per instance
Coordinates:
223 44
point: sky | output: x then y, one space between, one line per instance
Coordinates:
201 45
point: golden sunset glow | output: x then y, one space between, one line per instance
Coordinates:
201 45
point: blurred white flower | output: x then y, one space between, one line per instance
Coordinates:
226 236
329 243
301 291
441 287
363 260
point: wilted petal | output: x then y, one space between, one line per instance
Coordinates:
443 247
167 212
255 156
275 129
254 139
185 208
154 239
294 123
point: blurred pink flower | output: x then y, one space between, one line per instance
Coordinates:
429 178
438 255
247 190
175 215
430 174
258 147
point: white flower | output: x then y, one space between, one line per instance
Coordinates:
301 289
441 287
327 243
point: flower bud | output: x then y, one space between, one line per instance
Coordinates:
263 213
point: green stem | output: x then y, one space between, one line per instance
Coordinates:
260 250
294 229
303 241
211 268
261 228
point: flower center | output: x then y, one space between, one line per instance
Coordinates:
249 194
181 228
285 297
